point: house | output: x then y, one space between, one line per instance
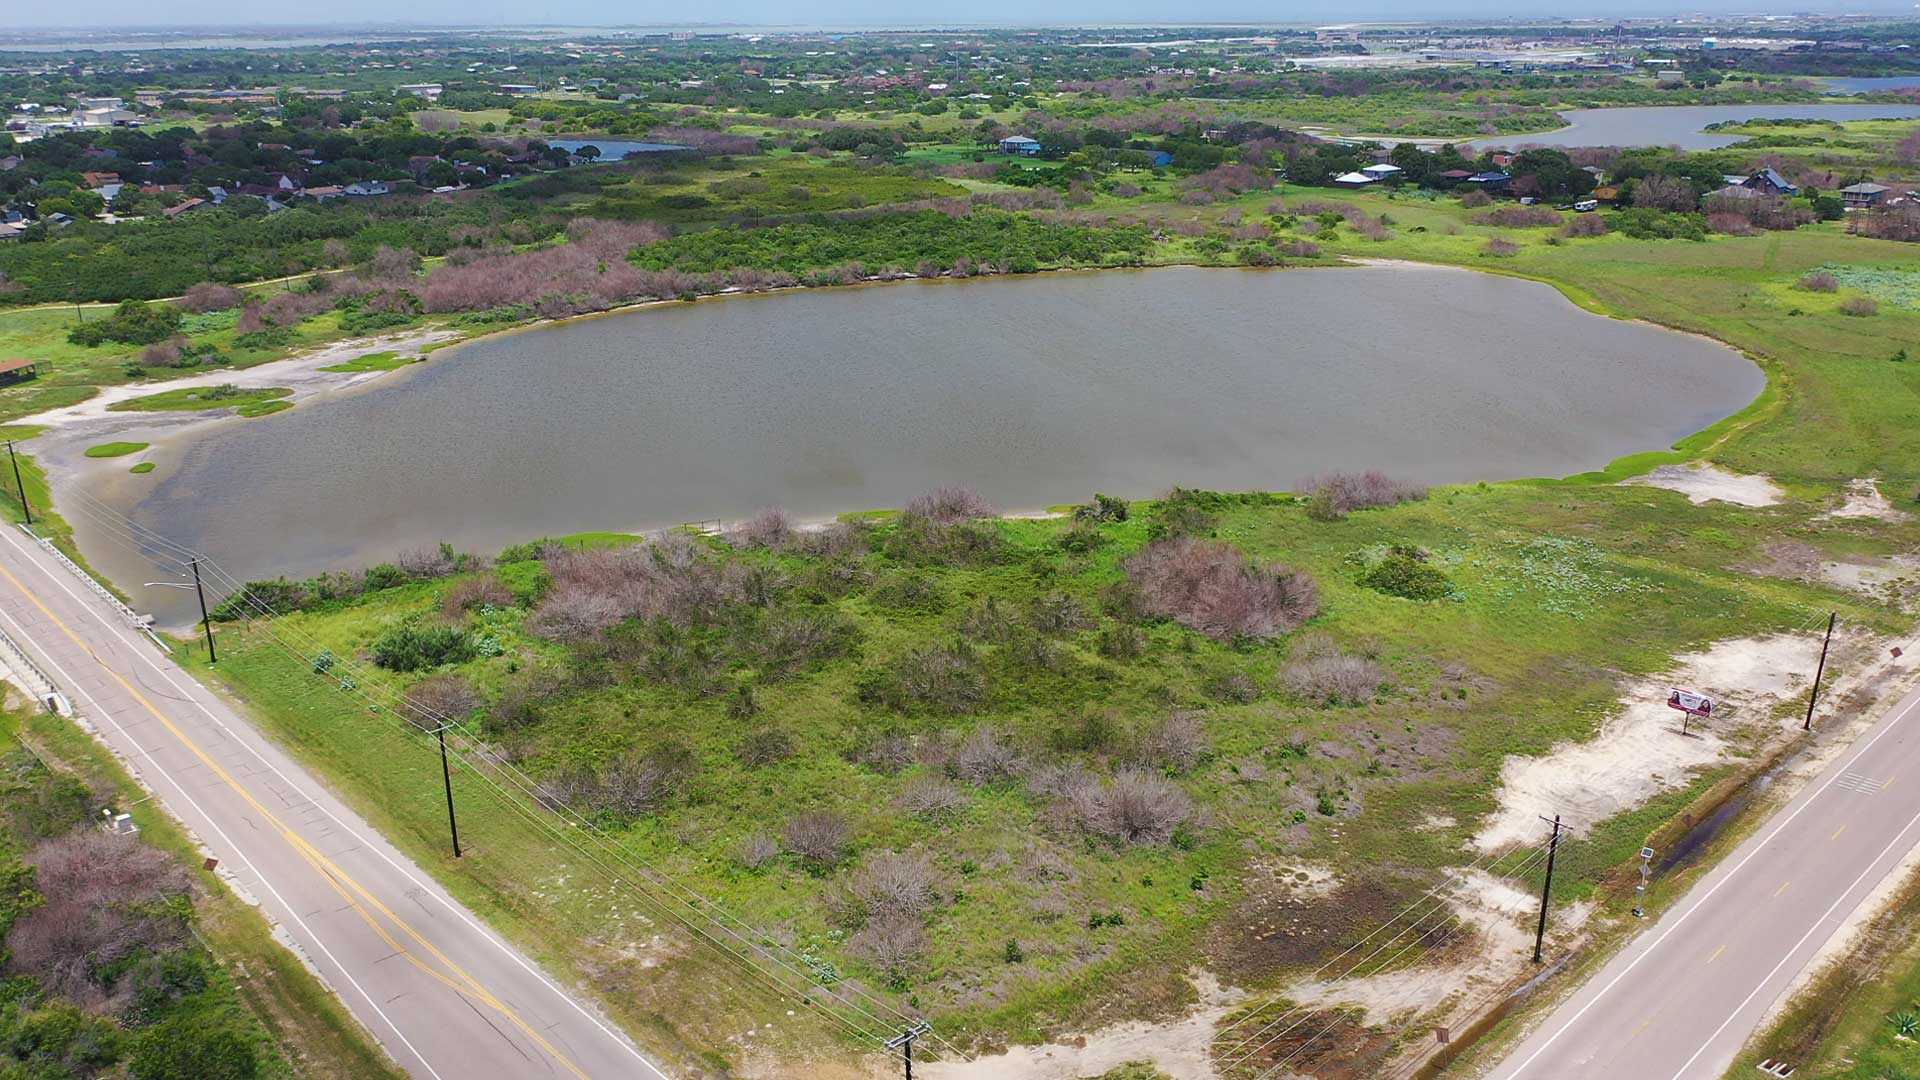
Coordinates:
1354 179
98 180
325 192
1025 146
216 195
1864 196
429 91
1501 159
11 231
94 118
1769 182
1734 191
521 89
18 370
1383 171
1456 176
1489 180
1599 174
369 187
187 207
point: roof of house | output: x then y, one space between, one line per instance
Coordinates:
1457 174
9 366
323 190
1021 139
1733 191
181 208
1773 177
1865 189
1383 169
1354 178
1490 178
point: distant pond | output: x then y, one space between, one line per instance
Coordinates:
1036 390
1680 125
1871 84
614 149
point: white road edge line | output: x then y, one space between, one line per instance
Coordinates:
1818 923
432 890
159 770
1810 799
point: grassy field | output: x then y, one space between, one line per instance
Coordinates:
194 398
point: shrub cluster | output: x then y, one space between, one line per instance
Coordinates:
1337 494
1215 589
1320 672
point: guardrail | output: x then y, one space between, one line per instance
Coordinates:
142 623
37 682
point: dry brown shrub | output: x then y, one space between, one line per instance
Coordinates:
1519 217
210 296
758 850
821 837
1499 247
1584 225
771 529
1320 672
946 505
1177 743
1134 807
1821 281
896 945
482 590
985 758
1859 306
1212 587
1475 199
931 797
1337 494
438 700
105 900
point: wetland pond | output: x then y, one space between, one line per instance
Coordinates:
1036 390
1680 125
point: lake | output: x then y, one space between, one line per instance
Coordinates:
1870 84
1680 125
614 149
1036 390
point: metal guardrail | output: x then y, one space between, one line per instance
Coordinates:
38 682
142 623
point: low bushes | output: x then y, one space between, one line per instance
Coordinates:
1820 281
134 322
410 647
1337 494
1405 572
1859 306
1318 671
1215 589
1519 217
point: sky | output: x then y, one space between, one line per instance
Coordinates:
787 13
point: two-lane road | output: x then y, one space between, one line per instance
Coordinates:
444 994
1687 994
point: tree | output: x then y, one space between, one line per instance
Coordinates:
1553 172
589 151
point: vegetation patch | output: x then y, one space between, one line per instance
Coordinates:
379 361
116 449
143 468
188 399
263 408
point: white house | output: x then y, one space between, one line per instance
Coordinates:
368 187
1024 145
1354 179
1383 171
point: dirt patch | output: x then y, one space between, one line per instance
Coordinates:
1277 928
1893 580
1864 499
1181 1048
1703 483
1329 1044
1639 751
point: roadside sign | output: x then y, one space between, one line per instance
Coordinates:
1646 853
1689 702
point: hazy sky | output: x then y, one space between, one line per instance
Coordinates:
144 13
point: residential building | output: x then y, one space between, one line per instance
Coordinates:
1864 196
1024 145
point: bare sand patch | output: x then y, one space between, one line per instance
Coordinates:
1179 1048
1864 499
1638 751
1703 483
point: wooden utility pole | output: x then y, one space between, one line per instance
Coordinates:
903 1042
1540 931
1813 695
19 483
206 623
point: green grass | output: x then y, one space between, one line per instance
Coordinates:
379 361
142 468
116 449
193 398
263 408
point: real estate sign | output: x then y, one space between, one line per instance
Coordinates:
1689 702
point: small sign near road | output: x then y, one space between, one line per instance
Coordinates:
1689 702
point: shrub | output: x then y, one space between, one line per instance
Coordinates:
1337 494
437 700
946 505
985 758
911 591
479 591
1502 248
1859 306
1215 589
1059 613
1475 199
1103 508
758 850
943 679
1585 225
1821 281
211 296
1176 743
770 529
765 747
1519 217
895 945
1641 223
891 885
1318 671
820 837
1405 573
931 797
105 899
1122 642
632 786
409 647
134 322
1134 807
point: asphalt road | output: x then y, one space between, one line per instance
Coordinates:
1687 994
445 995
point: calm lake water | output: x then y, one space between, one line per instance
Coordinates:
1869 84
1680 125
615 149
1035 390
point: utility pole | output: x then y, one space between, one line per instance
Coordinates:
903 1042
1553 848
205 622
1814 694
19 483
446 776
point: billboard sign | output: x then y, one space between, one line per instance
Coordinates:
1689 702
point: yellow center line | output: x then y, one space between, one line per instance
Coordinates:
1641 1028
1837 832
339 879
1782 888
1716 954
